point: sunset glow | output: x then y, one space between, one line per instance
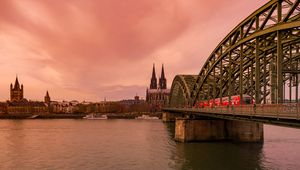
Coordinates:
91 49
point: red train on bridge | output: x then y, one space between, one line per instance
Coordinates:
235 101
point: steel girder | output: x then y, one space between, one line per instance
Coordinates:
259 57
180 90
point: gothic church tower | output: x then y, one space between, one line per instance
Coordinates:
162 79
47 99
16 91
153 84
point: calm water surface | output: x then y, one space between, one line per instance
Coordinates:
135 144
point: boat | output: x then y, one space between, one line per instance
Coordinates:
147 117
95 116
33 117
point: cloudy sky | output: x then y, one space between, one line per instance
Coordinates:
91 49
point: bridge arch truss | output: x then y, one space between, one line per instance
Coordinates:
181 90
260 57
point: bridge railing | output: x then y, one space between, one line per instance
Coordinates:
286 110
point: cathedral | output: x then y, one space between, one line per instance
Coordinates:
158 94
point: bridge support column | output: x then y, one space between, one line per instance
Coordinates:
195 130
241 131
170 117
189 130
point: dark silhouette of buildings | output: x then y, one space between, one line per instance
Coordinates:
20 105
47 99
153 83
158 96
16 91
26 107
162 79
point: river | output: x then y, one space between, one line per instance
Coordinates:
135 144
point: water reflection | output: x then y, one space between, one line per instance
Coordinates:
12 134
170 127
134 144
217 155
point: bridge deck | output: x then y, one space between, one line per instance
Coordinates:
285 114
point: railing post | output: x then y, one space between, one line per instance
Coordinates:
297 105
277 111
241 109
263 110
251 110
227 109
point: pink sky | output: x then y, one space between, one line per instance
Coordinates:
91 49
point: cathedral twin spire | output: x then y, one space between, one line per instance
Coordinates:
153 84
162 80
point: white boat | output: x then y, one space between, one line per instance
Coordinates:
94 116
32 117
147 117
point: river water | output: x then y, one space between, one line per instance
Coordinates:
135 144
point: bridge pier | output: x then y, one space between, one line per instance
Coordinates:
242 131
170 117
193 130
189 130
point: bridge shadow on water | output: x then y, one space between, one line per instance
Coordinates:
216 155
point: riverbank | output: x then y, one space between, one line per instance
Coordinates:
41 116
132 115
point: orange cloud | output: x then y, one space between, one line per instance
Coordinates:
88 49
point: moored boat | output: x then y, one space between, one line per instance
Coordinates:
94 116
147 117
33 117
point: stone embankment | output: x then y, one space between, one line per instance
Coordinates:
131 115
41 116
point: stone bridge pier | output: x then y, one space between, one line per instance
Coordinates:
171 117
203 130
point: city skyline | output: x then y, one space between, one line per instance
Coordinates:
89 50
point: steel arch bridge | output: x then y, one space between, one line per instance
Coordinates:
260 57
181 90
